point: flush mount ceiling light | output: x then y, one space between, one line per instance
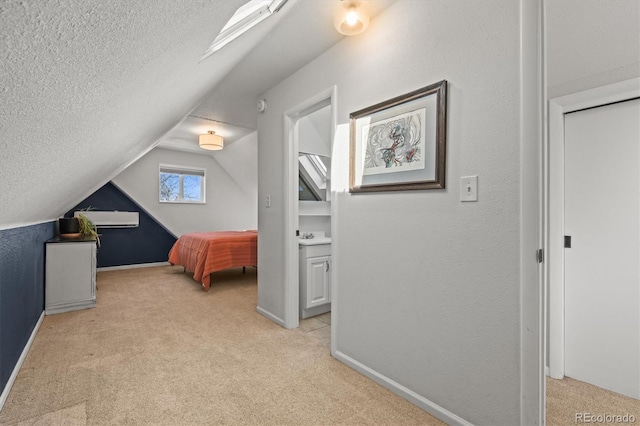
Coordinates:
352 18
211 141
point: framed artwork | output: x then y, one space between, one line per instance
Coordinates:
400 144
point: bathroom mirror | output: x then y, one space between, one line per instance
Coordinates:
313 177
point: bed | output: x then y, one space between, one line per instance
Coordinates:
208 252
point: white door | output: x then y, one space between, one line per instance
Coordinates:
602 216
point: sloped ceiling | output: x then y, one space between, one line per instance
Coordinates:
230 108
305 34
89 86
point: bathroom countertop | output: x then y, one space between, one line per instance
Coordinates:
314 241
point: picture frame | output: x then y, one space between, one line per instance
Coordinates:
400 144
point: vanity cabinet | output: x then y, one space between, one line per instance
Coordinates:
315 279
318 286
70 278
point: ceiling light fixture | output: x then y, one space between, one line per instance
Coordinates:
211 141
351 19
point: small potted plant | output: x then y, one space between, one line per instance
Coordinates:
78 227
69 227
87 228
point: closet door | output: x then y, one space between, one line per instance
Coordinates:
602 217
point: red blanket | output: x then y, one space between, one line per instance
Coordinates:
207 252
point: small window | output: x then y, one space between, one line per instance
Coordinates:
181 184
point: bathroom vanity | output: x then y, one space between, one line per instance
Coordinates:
315 275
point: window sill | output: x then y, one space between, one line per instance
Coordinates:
197 203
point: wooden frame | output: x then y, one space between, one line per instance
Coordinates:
400 144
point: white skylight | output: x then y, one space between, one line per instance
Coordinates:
245 18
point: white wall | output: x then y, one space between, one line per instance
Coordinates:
428 288
315 223
591 43
315 132
231 202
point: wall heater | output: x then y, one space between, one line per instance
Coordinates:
111 219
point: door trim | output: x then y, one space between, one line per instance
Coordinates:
558 107
291 267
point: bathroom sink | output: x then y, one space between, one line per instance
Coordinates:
314 241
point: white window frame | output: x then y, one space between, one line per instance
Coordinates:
246 17
182 171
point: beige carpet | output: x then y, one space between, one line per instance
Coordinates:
568 397
157 349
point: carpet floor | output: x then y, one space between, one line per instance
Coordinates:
570 400
157 349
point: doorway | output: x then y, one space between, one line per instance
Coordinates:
305 134
560 357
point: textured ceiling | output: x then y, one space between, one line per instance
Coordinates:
89 86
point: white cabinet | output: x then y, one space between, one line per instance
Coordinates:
318 283
315 279
70 282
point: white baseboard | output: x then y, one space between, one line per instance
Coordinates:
138 265
546 370
16 369
430 407
269 315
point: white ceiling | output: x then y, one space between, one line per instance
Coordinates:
184 137
301 31
90 86
589 42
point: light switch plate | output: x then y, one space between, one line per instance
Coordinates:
469 188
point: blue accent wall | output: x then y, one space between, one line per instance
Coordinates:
148 243
22 253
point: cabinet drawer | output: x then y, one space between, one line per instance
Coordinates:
315 251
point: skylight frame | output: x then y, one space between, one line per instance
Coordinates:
318 165
246 17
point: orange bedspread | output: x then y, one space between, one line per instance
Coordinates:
207 252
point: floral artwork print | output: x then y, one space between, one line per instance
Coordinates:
396 144
400 144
